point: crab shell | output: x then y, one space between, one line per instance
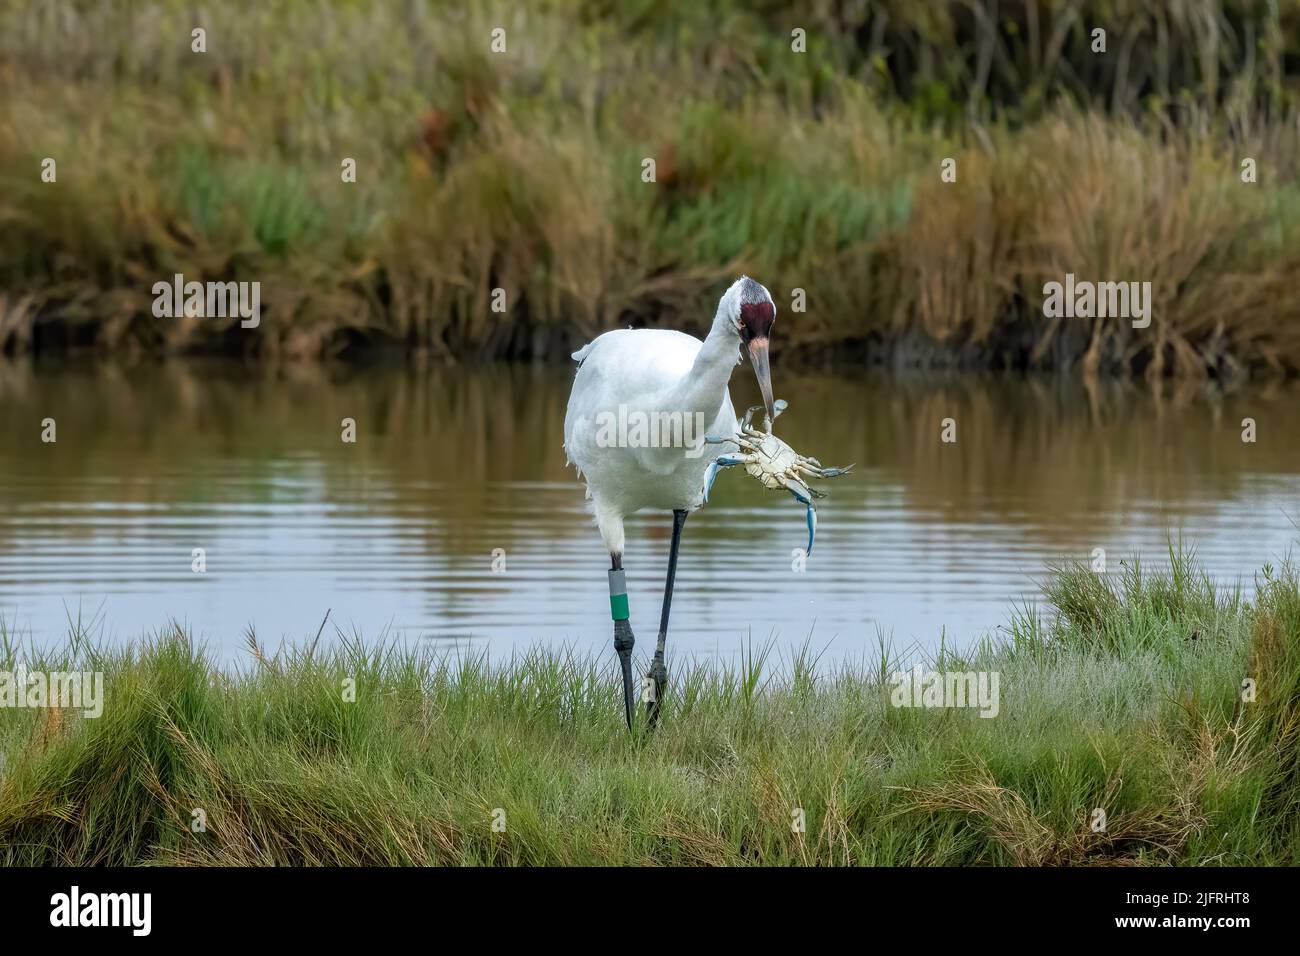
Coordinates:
772 457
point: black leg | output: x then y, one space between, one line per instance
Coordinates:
658 674
623 637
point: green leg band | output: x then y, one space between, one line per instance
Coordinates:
618 595
618 607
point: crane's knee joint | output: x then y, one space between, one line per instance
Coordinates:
624 641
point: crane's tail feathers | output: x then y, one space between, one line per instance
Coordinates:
582 353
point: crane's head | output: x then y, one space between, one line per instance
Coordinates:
752 312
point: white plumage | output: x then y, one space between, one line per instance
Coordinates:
651 372
644 370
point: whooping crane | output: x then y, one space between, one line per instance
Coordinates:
649 376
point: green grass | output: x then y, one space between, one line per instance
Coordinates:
1122 695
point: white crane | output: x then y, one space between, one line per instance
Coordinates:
642 400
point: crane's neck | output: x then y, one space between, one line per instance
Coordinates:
705 386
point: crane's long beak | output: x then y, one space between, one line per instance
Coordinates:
758 358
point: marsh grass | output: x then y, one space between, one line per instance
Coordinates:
1124 696
521 172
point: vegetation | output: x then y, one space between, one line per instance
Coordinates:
522 171
1125 696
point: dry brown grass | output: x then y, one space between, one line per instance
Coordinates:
1006 820
522 173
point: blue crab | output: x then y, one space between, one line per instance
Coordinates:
774 463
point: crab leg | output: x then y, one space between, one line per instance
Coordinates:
813 469
804 495
747 423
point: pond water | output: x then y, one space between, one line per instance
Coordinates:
396 534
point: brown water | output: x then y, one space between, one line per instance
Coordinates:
396 533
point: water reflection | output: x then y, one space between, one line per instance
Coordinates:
154 460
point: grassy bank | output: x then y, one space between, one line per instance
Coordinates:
522 171
1124 696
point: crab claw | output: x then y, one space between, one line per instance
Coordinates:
710 476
